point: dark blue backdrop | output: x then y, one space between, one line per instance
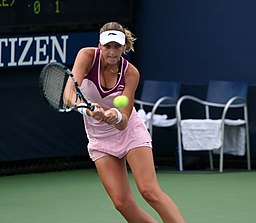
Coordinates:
194 41
189 41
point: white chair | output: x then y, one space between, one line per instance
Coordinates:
157 95
210 132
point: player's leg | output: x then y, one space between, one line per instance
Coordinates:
113 174
142 166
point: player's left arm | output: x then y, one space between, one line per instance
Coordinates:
132 77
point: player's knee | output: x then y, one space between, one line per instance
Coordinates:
150 194
121 204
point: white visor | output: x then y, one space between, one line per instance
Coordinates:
112 36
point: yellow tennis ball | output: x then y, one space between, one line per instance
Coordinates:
120 101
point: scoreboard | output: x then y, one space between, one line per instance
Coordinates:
24 16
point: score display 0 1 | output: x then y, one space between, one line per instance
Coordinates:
28 16
30 12
34 5
37 6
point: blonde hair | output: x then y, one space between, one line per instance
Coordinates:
129 37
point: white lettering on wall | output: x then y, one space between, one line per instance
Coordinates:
12 58
28 41
55 45
41 50
38 50
2 41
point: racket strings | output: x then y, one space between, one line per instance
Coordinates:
55 89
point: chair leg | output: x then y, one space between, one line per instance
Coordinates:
248 149
211 160
248 159
180 150
180 159
221 159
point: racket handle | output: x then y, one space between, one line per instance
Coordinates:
82 111
91 107
82 108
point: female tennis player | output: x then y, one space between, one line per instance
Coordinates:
117 136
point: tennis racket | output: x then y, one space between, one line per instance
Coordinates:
60 89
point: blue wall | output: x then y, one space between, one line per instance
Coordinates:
195 41
29 128
185 40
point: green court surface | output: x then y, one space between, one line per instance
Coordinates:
78 197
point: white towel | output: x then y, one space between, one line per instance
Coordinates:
201 134
235 140
205 134
158 120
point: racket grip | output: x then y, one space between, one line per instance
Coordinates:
82 108
82 111
91 107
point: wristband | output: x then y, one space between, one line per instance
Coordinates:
119 116
82 110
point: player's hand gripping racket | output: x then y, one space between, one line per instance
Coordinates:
60 89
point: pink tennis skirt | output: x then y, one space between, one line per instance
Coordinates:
110 141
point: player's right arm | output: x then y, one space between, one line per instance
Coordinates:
83 63
82 66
